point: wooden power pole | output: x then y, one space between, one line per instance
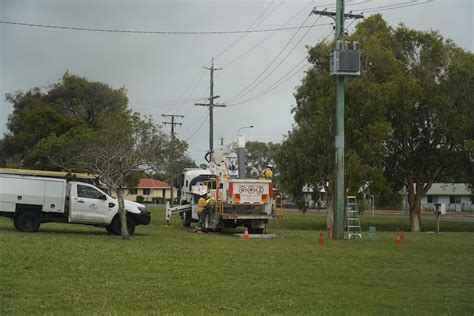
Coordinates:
211 106
172 157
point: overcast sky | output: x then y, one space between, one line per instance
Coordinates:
164 73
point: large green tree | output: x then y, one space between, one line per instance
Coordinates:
73 101
172 164
408 116
427 100
258 156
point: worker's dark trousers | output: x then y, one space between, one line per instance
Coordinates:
205 213
201 219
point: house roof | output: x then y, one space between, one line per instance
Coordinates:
152 183
449 189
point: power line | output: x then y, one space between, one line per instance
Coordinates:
136 106
278 65
268 36
241 36
197 130
395 6
194 83
282 80
347 4
236 96
88 29
278 83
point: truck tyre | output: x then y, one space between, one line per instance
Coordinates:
27 221
116 226
186 219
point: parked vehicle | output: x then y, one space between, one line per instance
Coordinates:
32 200
289 204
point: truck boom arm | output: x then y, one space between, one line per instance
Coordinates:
177 209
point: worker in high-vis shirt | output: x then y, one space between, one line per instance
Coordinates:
200 210
210 203
267 173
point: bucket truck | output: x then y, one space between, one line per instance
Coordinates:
236 201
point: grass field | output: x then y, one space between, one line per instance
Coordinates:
66 269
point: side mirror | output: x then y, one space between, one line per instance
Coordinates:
103 197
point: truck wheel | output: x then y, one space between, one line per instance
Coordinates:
109 229
186 219
116 226
27 221
130 226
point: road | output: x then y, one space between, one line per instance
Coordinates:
452 216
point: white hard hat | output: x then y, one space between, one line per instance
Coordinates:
269 165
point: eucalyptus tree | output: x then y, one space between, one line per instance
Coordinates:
408 116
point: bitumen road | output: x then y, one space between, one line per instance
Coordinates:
452 216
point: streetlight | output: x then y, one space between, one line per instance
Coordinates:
237 134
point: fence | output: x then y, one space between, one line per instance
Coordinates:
450 207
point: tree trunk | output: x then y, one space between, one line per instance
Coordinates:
415 220
414 205
330 213
122 214
172 192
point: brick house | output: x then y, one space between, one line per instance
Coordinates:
152 190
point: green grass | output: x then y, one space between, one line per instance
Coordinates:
76 269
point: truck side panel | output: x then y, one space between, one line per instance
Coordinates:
7 207
54 196
31 191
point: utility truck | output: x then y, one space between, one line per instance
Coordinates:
236 201
32 200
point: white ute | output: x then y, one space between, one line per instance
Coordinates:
31 200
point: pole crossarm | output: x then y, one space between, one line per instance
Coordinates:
172 123
214 105
333 14
172 115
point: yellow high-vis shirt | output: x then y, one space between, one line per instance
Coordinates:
267 173
201 204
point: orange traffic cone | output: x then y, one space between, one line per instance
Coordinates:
246 233
321 239
397 239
